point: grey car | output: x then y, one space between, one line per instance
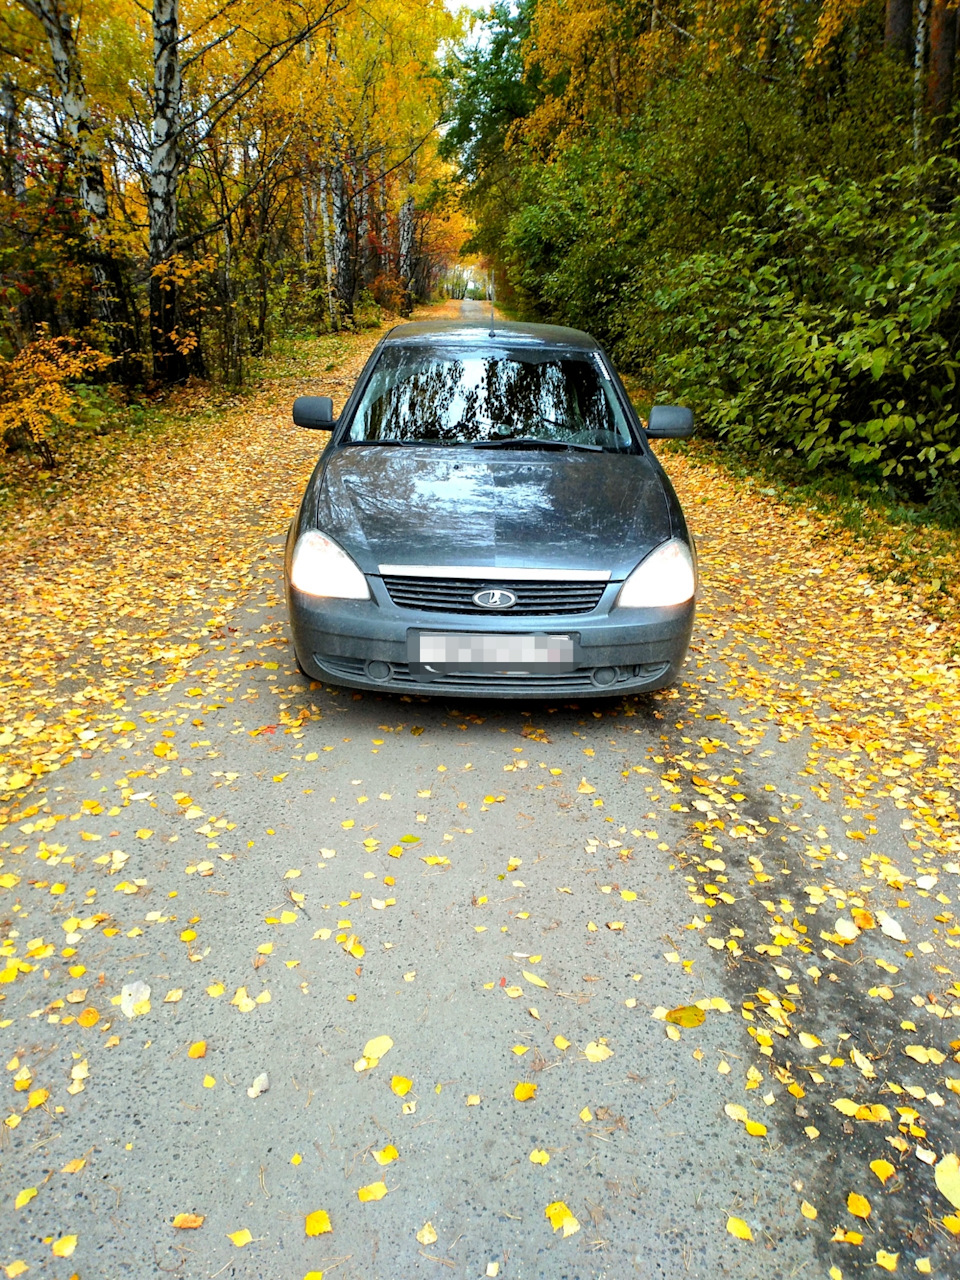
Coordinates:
488 519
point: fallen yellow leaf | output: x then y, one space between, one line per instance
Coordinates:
738 1228
401 1086
686 1016
539 1157
845 1106
198 1049
883 1169
188 1221
375 1191
24 1197
842 1236
858 1205
947 1178
387 1154
240 1238
887 1260
426 1234
317 1223
64 1247
524 1092
377 1047
560 1216
597 1052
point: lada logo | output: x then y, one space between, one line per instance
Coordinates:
495 598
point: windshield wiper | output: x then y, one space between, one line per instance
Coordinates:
400 443
531 442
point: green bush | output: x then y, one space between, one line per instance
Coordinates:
826 327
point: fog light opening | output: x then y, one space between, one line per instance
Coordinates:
604 676
377 670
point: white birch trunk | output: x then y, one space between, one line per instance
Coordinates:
14 179
342 249
308 213
919 52
405 229
61 39
85 153
328 251
169 363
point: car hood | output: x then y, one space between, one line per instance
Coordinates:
521 509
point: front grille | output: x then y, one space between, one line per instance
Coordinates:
455 595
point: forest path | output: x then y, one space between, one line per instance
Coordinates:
737 894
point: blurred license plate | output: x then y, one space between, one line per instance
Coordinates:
484 652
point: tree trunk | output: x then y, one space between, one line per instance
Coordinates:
897 34
111 299
308 211
14 179
943 53
169 351
386 257
328 252
363 225
919 52
405 255
233 356
342 248
15 187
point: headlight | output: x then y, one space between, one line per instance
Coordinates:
321 568
666 577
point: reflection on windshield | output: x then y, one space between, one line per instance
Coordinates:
437 397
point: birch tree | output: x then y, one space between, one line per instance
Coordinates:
172 126
170 351
84 148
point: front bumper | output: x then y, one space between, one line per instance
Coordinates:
363 644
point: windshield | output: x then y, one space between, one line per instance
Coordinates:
493 397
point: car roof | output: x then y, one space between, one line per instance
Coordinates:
445 332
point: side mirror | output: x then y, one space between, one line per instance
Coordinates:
313 411
669 422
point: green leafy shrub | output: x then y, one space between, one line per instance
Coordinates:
826 326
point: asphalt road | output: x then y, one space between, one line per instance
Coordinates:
513 894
